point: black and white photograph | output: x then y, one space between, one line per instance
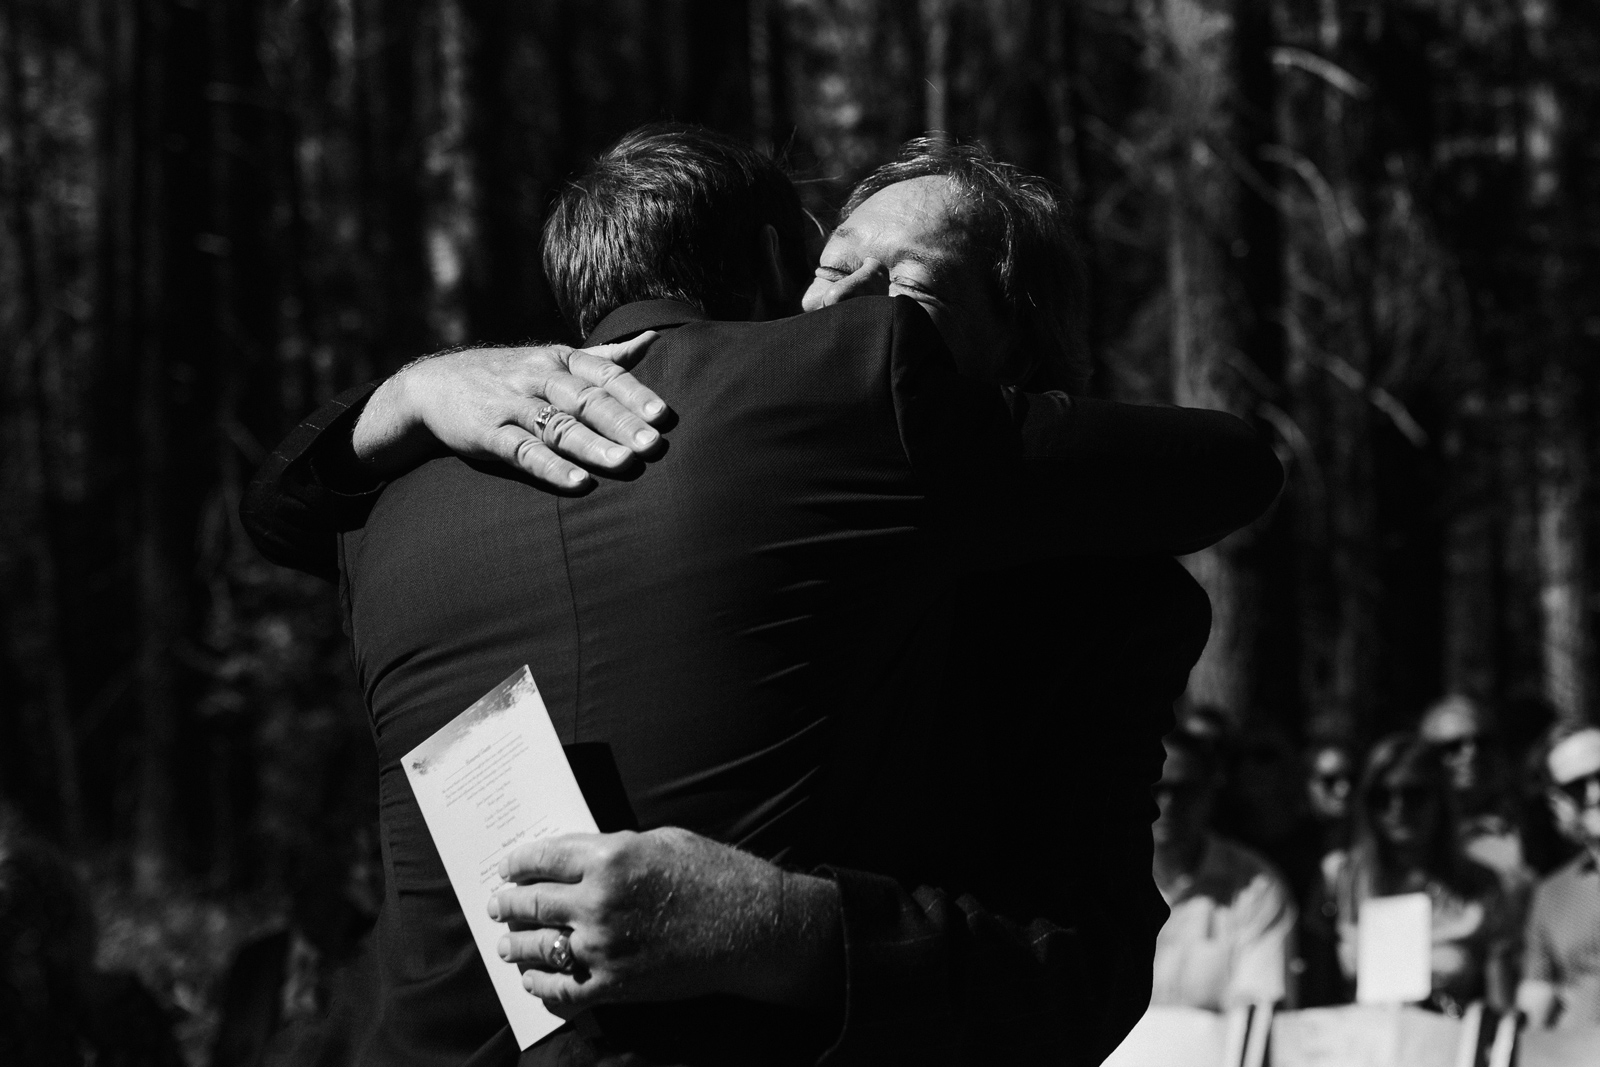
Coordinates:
799 533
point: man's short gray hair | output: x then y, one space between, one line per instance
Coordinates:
1021 225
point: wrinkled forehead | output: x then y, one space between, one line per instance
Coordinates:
917 220
1575 757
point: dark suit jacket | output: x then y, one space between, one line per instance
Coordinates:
759 627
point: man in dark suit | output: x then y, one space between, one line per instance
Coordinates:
749 625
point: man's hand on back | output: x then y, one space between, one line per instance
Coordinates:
666 915
485 402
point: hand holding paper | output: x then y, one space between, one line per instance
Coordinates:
493 778
666 915
655 916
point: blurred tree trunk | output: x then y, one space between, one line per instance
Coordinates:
1472 594
388 92
142 36
1063 35
764 80
158 324
33 328
1561 541
248 289
1329 369
717 86
1202 205
1567 655
936 64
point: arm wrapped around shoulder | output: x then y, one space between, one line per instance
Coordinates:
1146 478
1018 476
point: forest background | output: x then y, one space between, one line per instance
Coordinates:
1370 228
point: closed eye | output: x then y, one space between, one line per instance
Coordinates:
916 292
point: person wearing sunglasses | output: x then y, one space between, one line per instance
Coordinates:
1471 748
1329 792
1405 843
1561 958
1229 937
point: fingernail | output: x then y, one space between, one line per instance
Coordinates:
494 908
505 867
645 438
505 948
655 407
618 454
575 476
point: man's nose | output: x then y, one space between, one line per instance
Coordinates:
869 279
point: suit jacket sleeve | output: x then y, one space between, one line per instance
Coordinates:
1145 479
1029 476
305 492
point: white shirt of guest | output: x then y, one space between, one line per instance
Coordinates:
1227 941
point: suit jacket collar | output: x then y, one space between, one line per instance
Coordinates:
642 315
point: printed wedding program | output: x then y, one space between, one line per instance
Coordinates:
491 779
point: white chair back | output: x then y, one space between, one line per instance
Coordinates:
1577 1047
1183 1037
1372 1036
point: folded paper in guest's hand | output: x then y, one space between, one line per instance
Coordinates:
1394 947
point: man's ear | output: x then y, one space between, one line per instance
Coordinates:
779 292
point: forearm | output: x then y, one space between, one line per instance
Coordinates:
1146 479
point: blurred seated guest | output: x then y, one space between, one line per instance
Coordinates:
1530 728
1261 803
1226 942
1405 843
1561 961
1330 781
1329 785
1469 746
55 1008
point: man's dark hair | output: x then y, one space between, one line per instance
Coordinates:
671 212
1020 225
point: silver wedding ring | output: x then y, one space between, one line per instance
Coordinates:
561 953
542 420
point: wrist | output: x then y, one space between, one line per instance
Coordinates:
390 436
800 960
